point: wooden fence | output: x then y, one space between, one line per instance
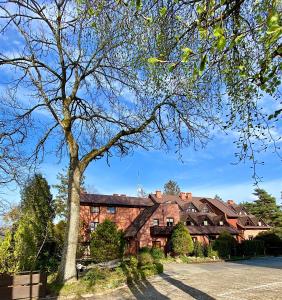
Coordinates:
22 286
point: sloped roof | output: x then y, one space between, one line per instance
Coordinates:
222 206
194 230
198 218
117 200
140 220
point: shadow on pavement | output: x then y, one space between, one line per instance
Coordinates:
266 262
145 290
193 292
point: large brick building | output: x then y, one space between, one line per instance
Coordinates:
150 221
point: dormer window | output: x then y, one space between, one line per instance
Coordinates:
259 223
205 210
191 208
169 221
220 223
248 223
205 223
189 223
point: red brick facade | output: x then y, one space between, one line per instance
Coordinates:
149 221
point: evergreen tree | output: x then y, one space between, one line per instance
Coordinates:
265 207
30 240
182 243
171 188
107 242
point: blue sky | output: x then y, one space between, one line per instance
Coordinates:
205 172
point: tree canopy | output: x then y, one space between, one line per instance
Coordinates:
93 79
265 207
171 188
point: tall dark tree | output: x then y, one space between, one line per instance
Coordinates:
265 207
171 188
99 78
29 240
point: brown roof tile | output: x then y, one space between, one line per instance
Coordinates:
194 230
140 220
115 200
222 206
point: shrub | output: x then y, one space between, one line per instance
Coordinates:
145 250
133 262
225 244
106 243
145 259
210 252
254 247
181 240
198 249
96 274
157 253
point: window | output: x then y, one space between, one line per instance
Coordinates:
205 210
156 244
191 208
221 223
251 237
93 226
189 223
194 239
155 222
95 209
169 221
206 222
259 223
111 209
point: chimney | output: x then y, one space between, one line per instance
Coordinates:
189 196
230 202
182 196
159 194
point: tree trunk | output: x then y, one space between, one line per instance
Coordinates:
67 269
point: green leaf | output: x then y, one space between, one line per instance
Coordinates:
203 63
138 4
155 60
186 53
221 43
149 19
171 67
239 38
163 11
218 31
200 9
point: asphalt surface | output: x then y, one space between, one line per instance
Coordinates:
259 278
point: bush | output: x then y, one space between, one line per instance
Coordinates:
198 249
254 247
133 262
145 259
106 243
157 253
181 240
210 252
225 244
96 274
145 250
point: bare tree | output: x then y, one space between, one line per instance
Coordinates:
79 83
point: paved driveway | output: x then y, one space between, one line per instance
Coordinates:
251 279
